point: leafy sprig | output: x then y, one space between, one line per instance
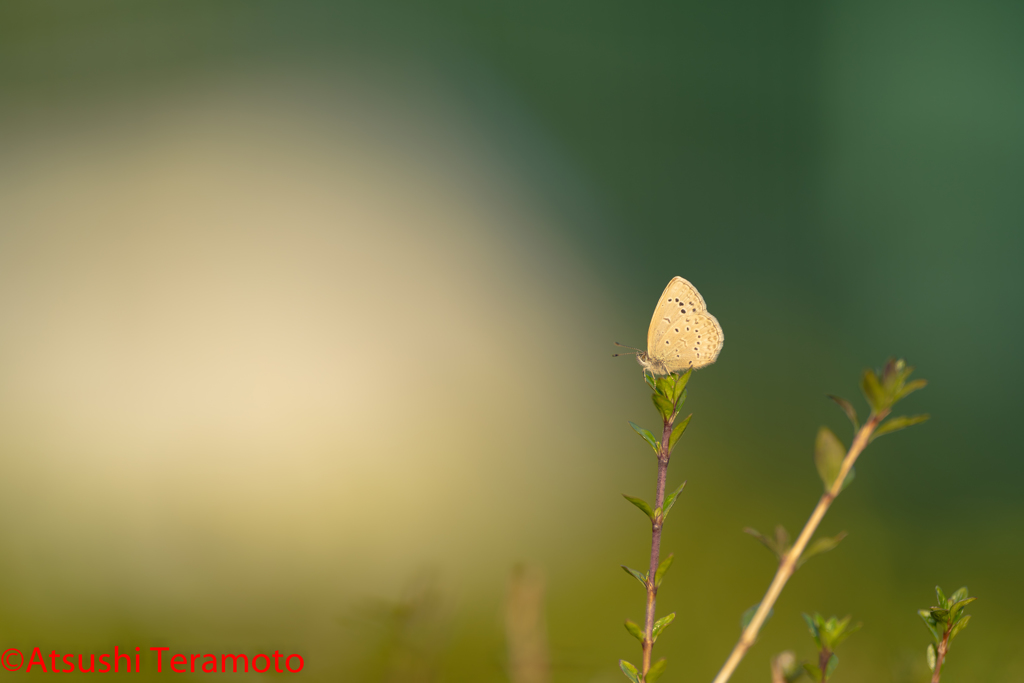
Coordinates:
668 397
944 621
835 464
827 634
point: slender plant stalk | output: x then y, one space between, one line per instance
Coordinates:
788 564
940 654
656 524
823 658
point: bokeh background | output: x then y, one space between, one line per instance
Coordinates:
307 310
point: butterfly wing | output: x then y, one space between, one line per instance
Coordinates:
683 334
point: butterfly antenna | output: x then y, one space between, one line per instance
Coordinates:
635 352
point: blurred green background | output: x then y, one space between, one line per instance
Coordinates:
308 307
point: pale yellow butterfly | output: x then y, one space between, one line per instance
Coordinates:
682 335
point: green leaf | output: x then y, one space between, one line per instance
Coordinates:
841 632
814 626
833 662
648 437
681 382
662 568
848 409
748 617
813 671
656 670
630 671
959 605
664 406
926 616
766 541
959 626
941 615
892 374
666 385
642 504
829 453
681 400
960 594
930 656
897 423
650 381
821 545
873 391
661 624
636 575
634 630
910 388
940 596
671 500
677 431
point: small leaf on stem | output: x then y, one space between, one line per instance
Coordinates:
829 453
821 545
959 605
681 382
665 387
767 542
656 670
634 630
910 388
814 626
848 409
662 568
647 436
664 406
642 504
926 617
671 499
833 662
630 671
677 431
897 423
892 373
842 632
959 626
660 625
873 391
813 671
930 656
636 575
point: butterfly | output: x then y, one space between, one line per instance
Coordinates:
682 335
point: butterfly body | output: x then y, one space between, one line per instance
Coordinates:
682 335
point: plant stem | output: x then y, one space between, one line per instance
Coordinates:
788 564
656 523
940 654
823 658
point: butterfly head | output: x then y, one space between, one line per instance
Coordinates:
652 365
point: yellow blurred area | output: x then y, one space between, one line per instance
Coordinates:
264 336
